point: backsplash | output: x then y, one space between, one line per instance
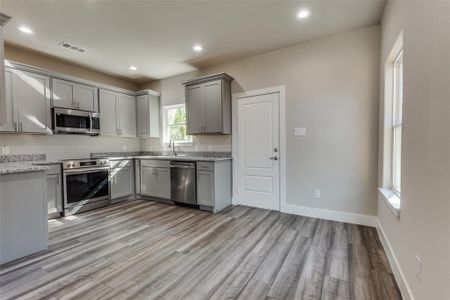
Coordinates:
115 154
154 153
22 157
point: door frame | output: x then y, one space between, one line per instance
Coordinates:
281 90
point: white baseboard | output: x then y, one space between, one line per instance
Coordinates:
332 215
398 274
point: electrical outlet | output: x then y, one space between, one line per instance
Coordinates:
316 194
299 131
418 268
4 150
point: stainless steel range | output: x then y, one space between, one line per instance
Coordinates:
86 184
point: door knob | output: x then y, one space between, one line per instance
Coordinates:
274 158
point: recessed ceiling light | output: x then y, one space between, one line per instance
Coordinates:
133 68
197 48
303 13
25 29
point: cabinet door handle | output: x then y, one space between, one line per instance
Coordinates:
21 126
15 126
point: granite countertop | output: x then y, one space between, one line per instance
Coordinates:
168 157
22 163
46 162
21 167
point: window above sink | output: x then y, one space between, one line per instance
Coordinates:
174 121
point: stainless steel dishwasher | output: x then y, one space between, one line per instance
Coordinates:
183 185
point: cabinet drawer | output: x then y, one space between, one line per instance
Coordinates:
120 163
155 163
205 166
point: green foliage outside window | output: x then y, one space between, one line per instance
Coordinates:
176 123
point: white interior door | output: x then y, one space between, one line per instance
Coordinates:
258 174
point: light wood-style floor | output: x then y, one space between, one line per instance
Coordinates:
147 250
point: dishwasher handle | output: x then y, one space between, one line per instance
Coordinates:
182 167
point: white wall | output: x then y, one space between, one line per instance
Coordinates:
423 228
332 90
64 146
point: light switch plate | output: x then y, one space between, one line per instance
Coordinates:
299 131
316 194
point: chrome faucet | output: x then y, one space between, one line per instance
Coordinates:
172 146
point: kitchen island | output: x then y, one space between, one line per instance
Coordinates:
23 210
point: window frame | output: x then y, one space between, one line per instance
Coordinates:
166 138
397 122
389 190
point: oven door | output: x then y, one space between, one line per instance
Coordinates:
71 121
85 186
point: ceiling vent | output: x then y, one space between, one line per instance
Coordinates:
71 47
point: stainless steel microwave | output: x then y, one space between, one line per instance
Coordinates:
75 121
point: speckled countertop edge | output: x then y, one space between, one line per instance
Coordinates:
46 162
20 167
165 155
178 158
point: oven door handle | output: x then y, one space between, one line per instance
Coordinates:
85 171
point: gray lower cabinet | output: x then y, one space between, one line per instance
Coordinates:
208 104
205 188
155 178
54 191
214 185
122 179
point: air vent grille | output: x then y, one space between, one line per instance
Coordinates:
71 47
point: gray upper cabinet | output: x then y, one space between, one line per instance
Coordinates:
10 117
3 20
62 93
85 97
208 104
147 114
117 114
213 107
27 102
68 94
108 121
126 115
195 109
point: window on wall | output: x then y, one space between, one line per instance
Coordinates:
392 127
397 103
174 119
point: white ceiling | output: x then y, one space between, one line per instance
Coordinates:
157 36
